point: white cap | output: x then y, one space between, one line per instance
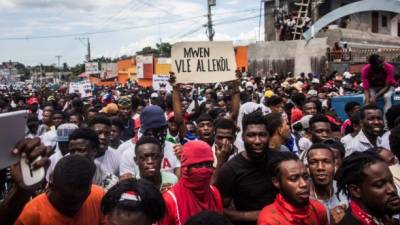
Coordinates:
312 93
249 84
154 95
315 81
304 121
347 75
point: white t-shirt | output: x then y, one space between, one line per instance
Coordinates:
346 140
304 144
49 138
53 161
385 140
110 161
168 164
125 146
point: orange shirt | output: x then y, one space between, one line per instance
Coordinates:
39 211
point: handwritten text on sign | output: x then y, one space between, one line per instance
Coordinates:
203 62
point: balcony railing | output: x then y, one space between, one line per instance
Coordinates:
361 55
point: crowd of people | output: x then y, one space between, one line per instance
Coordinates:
263 151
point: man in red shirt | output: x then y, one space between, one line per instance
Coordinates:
293 204
378 80
193 192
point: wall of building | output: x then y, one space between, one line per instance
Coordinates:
394 26
300 50
361 21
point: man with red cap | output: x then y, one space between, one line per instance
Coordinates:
193 192
33 103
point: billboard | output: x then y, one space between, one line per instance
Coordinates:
92 68
108 71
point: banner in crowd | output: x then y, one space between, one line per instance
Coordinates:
84 88
92 68
160 81
203 62
108 71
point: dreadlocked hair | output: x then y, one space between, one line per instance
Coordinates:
352 168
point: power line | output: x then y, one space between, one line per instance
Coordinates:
96 32
235 21
119 29
107 21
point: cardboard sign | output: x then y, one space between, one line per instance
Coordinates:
84 88
161 81
203 62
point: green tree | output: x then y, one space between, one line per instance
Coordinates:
78 69
148 51
65 67
165 49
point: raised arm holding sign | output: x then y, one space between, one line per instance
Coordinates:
203 62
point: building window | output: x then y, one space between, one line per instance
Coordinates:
384 21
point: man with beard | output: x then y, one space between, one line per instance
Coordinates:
366 180
244 179
125 114
371 129
154 124
293 204
321 165
193 193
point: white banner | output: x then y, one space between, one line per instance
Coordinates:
84 88
203 62
92 68
160 81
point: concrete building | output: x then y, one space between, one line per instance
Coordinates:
359 35
374 22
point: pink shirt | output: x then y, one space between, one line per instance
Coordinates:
379 80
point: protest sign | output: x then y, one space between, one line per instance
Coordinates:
84 88
161 81
12 130
203 62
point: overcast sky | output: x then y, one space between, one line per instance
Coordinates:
115 27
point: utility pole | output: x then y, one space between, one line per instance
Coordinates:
88 50
87 45
59 68
210 29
